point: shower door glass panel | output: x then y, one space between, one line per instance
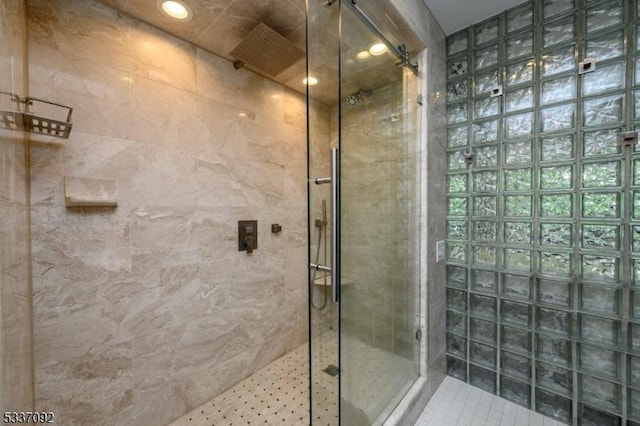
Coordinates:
379 226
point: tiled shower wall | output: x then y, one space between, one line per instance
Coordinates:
148 310
543 219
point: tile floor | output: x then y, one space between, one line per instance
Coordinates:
278 394
456 403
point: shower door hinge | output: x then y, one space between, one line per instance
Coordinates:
419 334
420 99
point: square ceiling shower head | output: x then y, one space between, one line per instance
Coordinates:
267 51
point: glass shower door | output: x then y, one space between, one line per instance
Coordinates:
379 225
362 105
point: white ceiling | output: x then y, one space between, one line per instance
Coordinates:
454 15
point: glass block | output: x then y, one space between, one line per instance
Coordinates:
456 161
516 286
559 31
456 113
456 277
515 313
483 306
558 177
485 131
482 378
599 393
556 7
484 206
634 307
600 268
557 293
457 136
607 47
600 236
457 183
457 368
517 232
515 339
553 406
601 142
515 366
483 331
556 234
555 379
457 230
634 337
457 43
636 172
484 83
457 91
456 252
603 16
517 205
518 125
485 281
600 331
456 345
558 61
517 152
456 300
519 46
558 90
601 174
484 255
633 370
634 405
556 205
554 321
486 107
636 101
485 181
554 350
519 99
636 272
558 118
604 79
486 157
486 58
600 204
521 72
591 417
457 323
602 111
598 361
486 32
636 79
457 206
599 300
557 148
484 230
517 180
457 67
515 391
519 18
482 354
517 259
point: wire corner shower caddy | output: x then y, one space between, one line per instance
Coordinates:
23 119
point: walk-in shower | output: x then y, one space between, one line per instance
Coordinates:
304 121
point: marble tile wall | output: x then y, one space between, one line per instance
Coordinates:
15 289
147 310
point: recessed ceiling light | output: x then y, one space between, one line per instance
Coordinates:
377 49
176 9
310 81
363 55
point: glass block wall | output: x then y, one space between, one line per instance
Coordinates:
543 219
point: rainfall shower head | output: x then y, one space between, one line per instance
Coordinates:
266 51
